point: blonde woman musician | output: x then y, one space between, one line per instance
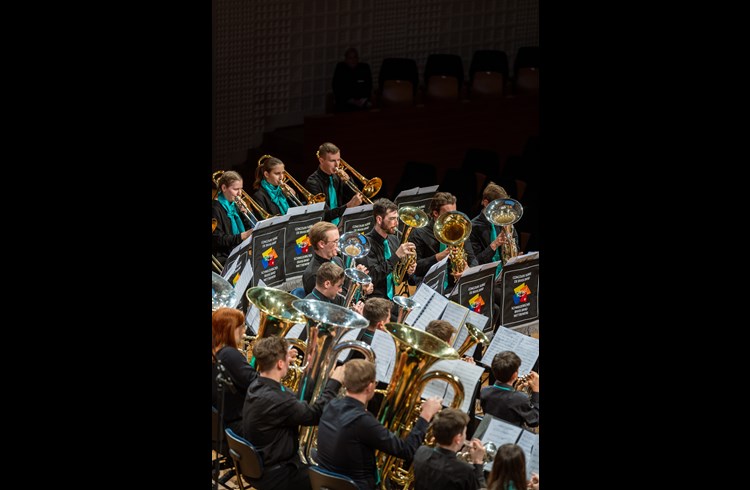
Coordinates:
232 226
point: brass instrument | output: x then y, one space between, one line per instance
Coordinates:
243 199
523 384
356 280
452 229
405 305
223 294
475 336
326 324
416 352
505 212
277 316
371 187
214 261
354 245
309 196
413 218
490 450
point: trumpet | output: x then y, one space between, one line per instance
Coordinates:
245 198
371 186
490 450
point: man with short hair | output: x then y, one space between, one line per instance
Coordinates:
503 401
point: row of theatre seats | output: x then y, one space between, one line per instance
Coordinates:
489 77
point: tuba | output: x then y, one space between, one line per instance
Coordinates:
413 218
223 294
416 352
505 212
326 324
405 305
277 316
244 201
309 196
475 336
452 229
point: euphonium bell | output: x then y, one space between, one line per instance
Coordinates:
416 352
356 280
353 245
326 324
405 305
475 336
452 229
505 212
223 294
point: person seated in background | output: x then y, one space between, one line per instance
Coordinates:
509 470
438 468
268 193
328 181
352 83
349 435
503 401
232 226
441 329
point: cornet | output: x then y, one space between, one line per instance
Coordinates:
523 383
490 449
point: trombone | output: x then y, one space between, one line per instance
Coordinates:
243 199
214 261
371 186
309 196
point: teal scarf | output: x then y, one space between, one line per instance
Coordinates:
234 216
493 235
277 196
332 201
389 279
447 269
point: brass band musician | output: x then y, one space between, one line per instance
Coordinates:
329 283
503 401
268 191
486 238
233 227
325 180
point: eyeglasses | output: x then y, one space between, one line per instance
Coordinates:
394 218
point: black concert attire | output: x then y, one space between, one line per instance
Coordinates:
271 418
378 266
366 336
261 197
428 246
503 401
308 276
351 83
349 435
241 374
222 239
315 294
319 182
481 237
436 468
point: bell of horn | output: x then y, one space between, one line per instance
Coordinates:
223 294
474 337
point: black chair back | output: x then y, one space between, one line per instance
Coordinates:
321 479
246 458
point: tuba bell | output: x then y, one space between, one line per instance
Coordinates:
416 352
223 294
412 217
504 213
277 316
326 324
452 229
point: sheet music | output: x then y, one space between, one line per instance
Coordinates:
252 318
477 319
532 463
454 314
385 352
246 276
438 387
467 373
274 220
527 348
295 331
528 441
518 259
308 208
499 432
355 209
463 332
421 296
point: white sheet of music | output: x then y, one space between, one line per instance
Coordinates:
295 331
308 208
532 464
243 282
422 295
356 209
499 432
252 318
468 374
454 314
527 348
478 321
528 441
385 352
432 310
519 259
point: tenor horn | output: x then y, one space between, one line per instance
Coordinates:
412 217
452 229
416 352
475 336
504 213
326 324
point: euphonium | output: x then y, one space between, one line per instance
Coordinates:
452 229
277 316
475 336
356 280
413 218
326 324
243 199
416 352
405 305
353 245
505 212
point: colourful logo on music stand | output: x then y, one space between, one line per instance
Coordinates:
235 279
522 294
475 303
303 245
269 258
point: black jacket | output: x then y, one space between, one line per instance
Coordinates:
436 468
481 237
427 246
377 266
318 183
222 239
515 407
262 198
